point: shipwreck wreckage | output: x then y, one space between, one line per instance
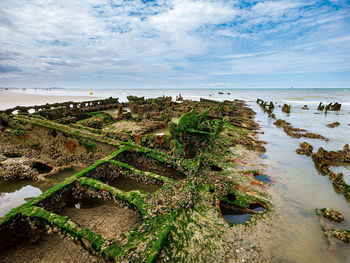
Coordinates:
183 150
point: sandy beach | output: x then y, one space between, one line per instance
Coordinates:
9 99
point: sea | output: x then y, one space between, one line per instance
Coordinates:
298 188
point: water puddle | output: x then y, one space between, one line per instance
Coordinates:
16 192
215 168
263 156
238 215
127 184
263 178
235 217
257 207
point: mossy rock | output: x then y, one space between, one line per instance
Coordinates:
331 214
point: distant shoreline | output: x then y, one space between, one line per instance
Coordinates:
10 99
214 88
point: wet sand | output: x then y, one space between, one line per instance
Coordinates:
107 218
9 99
50 249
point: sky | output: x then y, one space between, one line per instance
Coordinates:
175 44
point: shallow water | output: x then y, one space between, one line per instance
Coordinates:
299 188
16 192
263 178
235 217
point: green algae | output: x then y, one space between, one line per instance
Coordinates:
89 146
134 198
190 227
127 167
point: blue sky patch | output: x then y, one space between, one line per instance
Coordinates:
195 42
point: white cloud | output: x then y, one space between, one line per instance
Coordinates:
274 8
50 41
186 16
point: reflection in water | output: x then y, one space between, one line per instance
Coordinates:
235 217
263 178
16 198
16 192
257 207
297 237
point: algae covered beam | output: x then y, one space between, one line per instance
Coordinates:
134 198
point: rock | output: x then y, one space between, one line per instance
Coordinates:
341 234
336 106
320 107
286 108
4 120
305 148
297 132
329 107
331 214
332 156
179 98
280 122
334 124
338 181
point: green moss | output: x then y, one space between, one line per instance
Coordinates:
188 121
89 240
155 176
159 231
98 120
73 132
235 131
89 146
159 156
19 132
159 241
134 198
